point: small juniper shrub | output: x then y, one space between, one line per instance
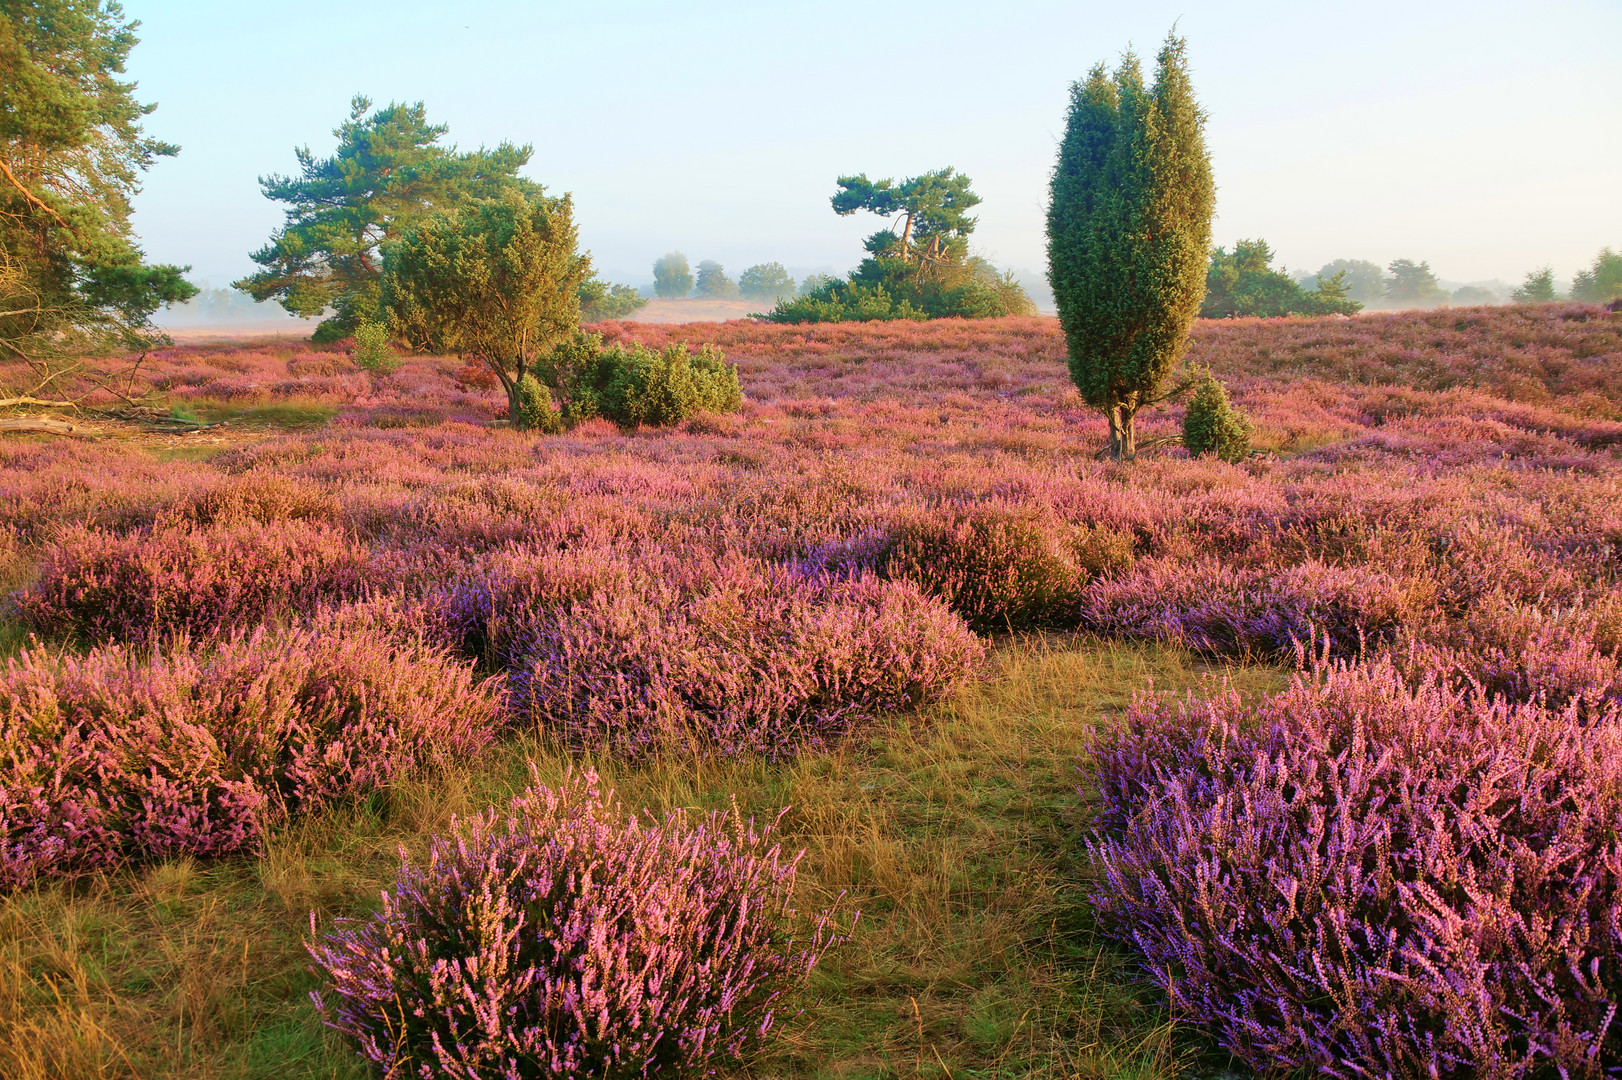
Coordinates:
535 411
372 351
179 576
115 756
571 938
1212 425
1363 876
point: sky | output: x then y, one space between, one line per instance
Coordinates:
1483 137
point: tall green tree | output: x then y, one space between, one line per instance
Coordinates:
1129 233
496 279
712 281
917 268
72 149
1538 288
1364 281
672 276
1412 285
1600 282
766 281
389 169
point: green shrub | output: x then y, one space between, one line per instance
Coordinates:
1213 426
535 411
633 385
372 349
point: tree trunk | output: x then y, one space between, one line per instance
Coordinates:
1122 435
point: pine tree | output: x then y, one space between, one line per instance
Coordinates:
1129 233
72 280
387 171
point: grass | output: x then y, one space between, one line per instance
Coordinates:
291 413
956 832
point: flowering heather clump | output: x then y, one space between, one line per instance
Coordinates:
1209 606
644 650
570 938
196 579
109 756
1360 877
1001 568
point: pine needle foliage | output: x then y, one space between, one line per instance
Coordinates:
1129 233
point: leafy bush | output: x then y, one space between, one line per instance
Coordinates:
600 301
372 350
535 411
641 651
1358 877
1213 426
571 938
184 577
633 385
114 756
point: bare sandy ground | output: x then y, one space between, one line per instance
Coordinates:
680 311
291 329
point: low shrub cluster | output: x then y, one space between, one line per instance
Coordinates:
645 650
185 577
111 756
633 385
570 938
1362 876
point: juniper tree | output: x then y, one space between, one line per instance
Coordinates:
1129 233
497 279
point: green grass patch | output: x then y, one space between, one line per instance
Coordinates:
291 414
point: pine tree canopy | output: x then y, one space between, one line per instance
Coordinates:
72 150
388 169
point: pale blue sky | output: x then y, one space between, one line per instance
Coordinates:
1485 137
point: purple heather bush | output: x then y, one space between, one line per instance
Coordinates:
117 755
200 580
1361 876
647 650
570 938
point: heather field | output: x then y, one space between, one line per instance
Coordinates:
1312 762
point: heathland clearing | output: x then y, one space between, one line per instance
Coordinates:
1443 484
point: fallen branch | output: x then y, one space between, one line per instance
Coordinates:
6 403
47 427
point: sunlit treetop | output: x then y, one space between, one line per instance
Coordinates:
933 210
388 169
